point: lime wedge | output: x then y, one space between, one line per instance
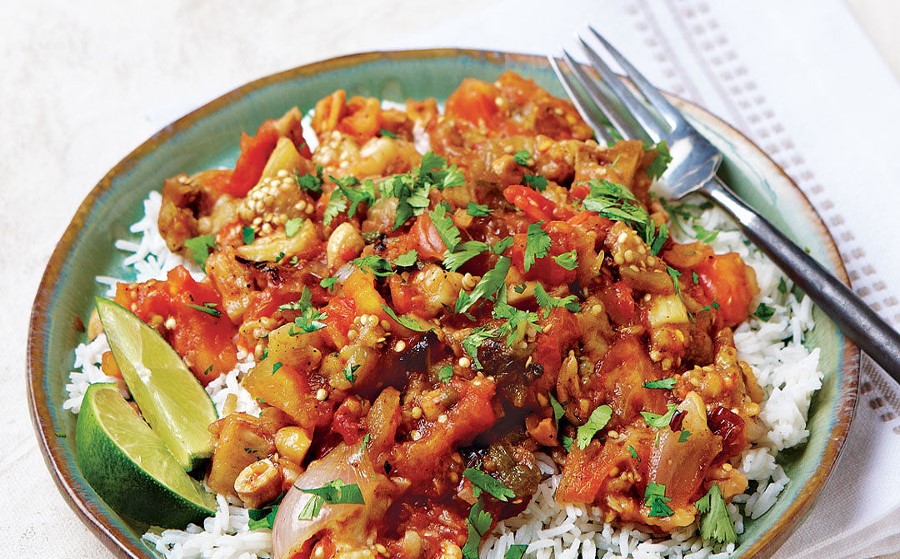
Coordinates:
171 399
130 467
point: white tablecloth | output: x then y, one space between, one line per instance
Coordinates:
84 83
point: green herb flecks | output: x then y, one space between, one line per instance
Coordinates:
310 319
490 485
659 421
597 421
655 498
208 308
334 492
715 523
664 384
200 247
537 244
616 202
404 321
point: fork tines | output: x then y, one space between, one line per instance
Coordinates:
626 113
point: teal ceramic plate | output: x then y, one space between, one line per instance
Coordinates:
208 137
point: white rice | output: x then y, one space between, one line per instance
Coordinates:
786 370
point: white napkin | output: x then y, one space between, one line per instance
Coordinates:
801 80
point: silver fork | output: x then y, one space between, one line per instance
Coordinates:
693 169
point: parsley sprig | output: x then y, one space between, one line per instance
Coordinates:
335 492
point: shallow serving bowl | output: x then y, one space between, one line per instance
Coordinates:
208 137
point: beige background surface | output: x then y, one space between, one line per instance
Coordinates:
81 84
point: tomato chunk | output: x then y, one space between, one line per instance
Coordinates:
186 313
730 284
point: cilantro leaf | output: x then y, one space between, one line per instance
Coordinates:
665 384
262 521
473 341
445 373
659 165
704 235
200 247
633 453
446 229
522 157
375 265
248 235
548 302
715 524
659 421
558 410
310 319
655 498
464 252
516 321
387 133
567 260
404 321
310 182
277 365
407 259
597 421
335 492
515 551
537 244
292 226
764 312
350 372
208 308
502 245
490 284
488 484
477 210
684 435
614 201
478 523
536 182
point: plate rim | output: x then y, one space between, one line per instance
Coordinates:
122 544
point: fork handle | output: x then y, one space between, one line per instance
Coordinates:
854 317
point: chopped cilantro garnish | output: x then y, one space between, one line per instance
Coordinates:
515 551
334 492
387 133
490 284
558 410
782 286
655 498
411 189
477 210
704 235
633 453
665 384
328 283
473 341
200 247
310 182
536 182
464 252
675 274
292 226
567 260
375 265
490 485
208 308
661 162
659 421
276 366
522 157
548 302
695 278
537 244
684 435
502 245
446 229
516 321
262 518
310 319
248 235
407 259
597 421
715 524
404 321
764 312
350 372
567 443
478 523
614 201
445 373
